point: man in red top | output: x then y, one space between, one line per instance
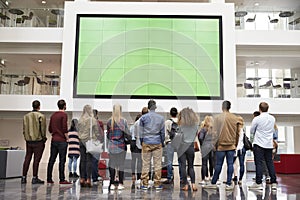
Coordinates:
58 128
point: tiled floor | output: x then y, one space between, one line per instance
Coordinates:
288 188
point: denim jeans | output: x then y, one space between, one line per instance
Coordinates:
170 156
188 157
95 161
209 158
220 155
261 154
72 163
57 148
241 155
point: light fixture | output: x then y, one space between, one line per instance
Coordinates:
6 2
40 61
256 4
52 72
2 63
44 2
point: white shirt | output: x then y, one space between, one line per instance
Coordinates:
241 140
263 128
168 127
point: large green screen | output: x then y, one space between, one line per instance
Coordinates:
157 56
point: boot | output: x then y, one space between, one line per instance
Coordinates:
88 182
82 182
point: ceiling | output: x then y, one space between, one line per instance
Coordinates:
26 63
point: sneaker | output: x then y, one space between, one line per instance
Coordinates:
229 187
234 179
255 186
151 183
268 180
65 182
219 182
210 186
75 175
138 183
23 180
121 187
168 181
71 175
112 187
159 187
274 186
36 180
50 181
240 182
203 182
95 182
144 187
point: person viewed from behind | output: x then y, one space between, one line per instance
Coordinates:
188 122
95 158
136 150
117 134
262 127
152 128
206 135
240 153
226 128
74 149
34 132
87 126
58 128
169 135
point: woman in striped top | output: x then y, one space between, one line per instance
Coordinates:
74 149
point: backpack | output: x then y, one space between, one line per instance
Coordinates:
173 130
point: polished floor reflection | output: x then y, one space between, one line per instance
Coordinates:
288 188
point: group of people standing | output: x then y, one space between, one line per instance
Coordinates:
219 136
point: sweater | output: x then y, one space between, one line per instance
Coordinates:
58 126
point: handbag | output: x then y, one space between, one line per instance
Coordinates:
177 140
247 143
93 146
196 146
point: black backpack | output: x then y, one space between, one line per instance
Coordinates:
173 130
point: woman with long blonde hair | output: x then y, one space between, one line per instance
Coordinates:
117 134
188 122
205 136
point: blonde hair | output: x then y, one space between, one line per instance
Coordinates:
188 117
240 125
116 115
207 122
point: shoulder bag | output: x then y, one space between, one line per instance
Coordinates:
93 146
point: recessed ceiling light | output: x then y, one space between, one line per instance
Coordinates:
40 61
256 4
43 2
6 2
256 63
53 72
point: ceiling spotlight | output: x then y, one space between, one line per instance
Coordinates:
40 61
6 2
44 2
53 72
256 4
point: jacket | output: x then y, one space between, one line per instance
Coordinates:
34 127
226 128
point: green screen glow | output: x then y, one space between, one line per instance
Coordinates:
148 56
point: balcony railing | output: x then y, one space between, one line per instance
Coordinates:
18 17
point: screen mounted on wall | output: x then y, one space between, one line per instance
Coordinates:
151 56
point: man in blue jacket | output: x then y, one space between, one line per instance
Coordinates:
152 129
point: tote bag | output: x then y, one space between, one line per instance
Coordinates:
93 146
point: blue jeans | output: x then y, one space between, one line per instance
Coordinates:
72 161
170 156
261 154
241 155
220 155
57 148
188 157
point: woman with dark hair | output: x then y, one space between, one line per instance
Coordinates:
188 125
73 149
87 125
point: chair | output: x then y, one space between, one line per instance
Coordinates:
2 90
251 19
269 84
273 21
22 83
248 86
39 81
